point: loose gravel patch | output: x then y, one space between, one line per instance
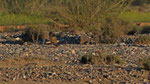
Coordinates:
46 63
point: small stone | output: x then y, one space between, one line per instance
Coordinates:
122 44
43 78
54 74
73 52
93 53
69 78
49 73
145 80
24 76
105 76
17 39
56 58
13 78
69 73
90 81
114 52
48 42
116 44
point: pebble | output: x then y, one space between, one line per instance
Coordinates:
73 52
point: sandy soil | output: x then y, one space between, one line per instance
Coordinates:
48 82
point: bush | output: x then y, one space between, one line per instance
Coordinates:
101 58
101 17
145 62
36 33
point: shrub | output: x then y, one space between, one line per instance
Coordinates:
113 29
144 39
145 62
36 33
101 58
99 17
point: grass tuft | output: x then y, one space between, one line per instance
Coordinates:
36 33
101 58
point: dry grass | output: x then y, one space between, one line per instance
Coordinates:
98 17
36 33
101 58
144 39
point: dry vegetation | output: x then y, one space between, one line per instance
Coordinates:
99 17
101 58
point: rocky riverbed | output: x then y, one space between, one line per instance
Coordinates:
48 64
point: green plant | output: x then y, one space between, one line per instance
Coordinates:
99 17
112 29
21 19
36 33
135 16
21 12
101 58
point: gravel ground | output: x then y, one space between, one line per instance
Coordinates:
50 64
